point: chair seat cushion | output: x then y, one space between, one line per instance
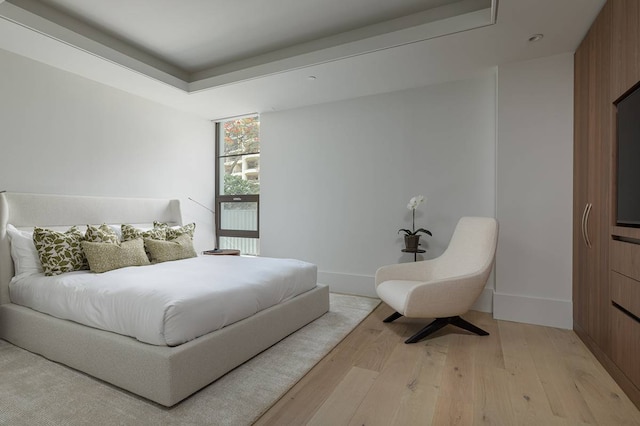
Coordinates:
394 293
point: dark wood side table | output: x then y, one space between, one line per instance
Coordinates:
415 253
222 252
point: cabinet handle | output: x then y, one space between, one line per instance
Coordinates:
586 225
582 228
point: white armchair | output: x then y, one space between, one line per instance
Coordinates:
445 287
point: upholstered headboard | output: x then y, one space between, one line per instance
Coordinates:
27 210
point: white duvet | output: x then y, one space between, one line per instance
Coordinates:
168 303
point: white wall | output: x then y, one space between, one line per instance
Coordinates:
63 134
336 178
534 192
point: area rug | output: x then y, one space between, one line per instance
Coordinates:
35 391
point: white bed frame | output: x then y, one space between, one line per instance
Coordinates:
162 374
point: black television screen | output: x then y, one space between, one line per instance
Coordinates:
628 136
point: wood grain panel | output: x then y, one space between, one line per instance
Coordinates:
592 170
625 259
580 188
626 348
626 293
600 185
626 46
622 231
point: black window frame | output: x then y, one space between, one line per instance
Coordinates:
241 198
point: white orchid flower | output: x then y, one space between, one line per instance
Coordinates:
415 201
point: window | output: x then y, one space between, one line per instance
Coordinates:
238 184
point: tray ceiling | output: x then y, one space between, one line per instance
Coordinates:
225 41
220 58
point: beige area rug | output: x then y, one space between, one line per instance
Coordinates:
35 391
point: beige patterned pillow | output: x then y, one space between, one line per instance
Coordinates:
59 252
131 233
101 234
175 232
163 251
105 257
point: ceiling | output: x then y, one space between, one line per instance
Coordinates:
220 58
195 36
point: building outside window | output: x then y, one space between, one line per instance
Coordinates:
238 184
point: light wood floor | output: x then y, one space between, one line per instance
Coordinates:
519 375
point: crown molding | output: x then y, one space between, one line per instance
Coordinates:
448 19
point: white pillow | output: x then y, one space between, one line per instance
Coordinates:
118 230
23 251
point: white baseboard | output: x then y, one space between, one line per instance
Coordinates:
533 310
359 285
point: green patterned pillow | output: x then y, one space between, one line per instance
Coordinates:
59 252
163 251
105 257
101 234
175 232
131 233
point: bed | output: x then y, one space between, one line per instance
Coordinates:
163 374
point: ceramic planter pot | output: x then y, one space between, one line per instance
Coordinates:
411 242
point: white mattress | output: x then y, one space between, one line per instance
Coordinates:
167 303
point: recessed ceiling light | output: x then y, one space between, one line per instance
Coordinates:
312 77
536 37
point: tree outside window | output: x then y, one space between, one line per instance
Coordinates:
238 184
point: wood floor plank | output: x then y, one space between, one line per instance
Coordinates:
557 381
417 402
520 374
300 403
379 350
457 376
488 348
455 399
527 395
452 412
490 381
603 396
342 403
380 405
608 407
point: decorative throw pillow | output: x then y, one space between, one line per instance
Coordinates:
117 229
163 251
174 232
101 234
59 252
131 233
23 251
105 257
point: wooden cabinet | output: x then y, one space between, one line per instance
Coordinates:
606 262
592 147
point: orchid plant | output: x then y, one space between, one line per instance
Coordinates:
414 202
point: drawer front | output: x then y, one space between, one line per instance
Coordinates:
625 258
626 344
626 293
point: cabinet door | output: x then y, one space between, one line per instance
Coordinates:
599 226
592 183
580 185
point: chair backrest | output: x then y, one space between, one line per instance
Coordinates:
471 250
